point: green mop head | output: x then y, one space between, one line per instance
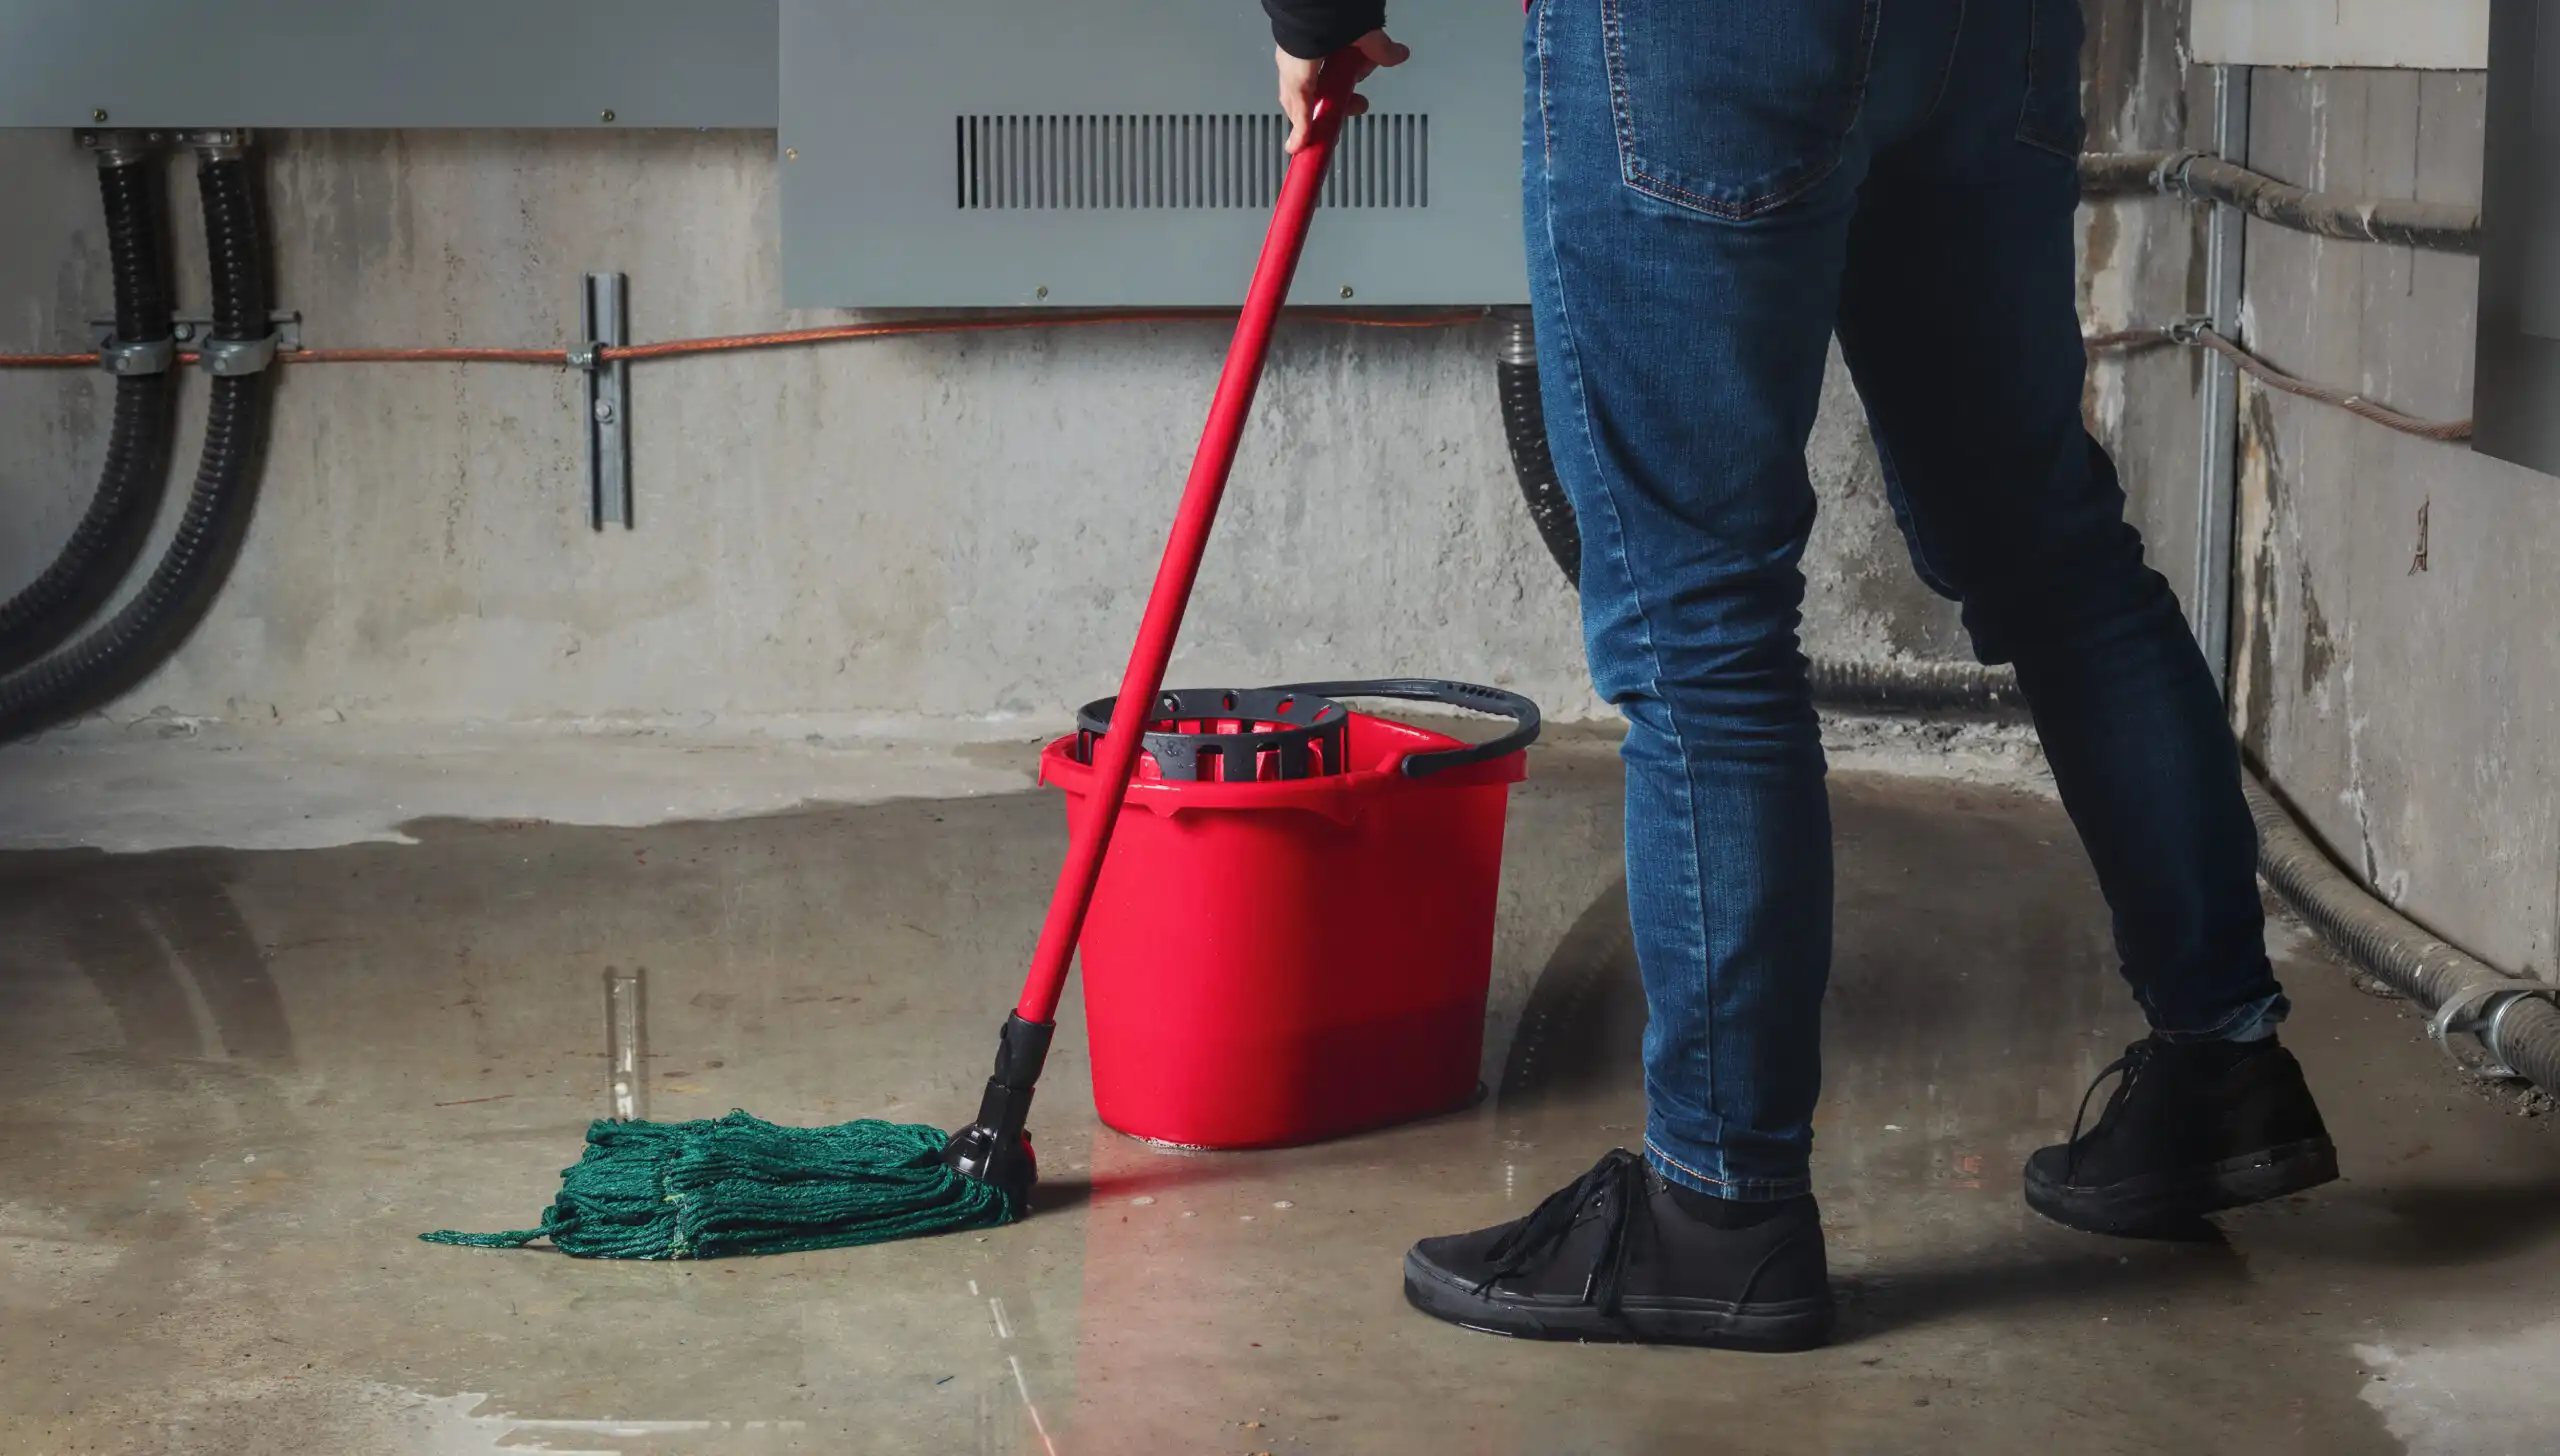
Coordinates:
742 1185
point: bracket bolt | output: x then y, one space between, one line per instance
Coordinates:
604 412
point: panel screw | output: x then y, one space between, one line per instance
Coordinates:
1040 292
100 114
1346 290
608 113
791 154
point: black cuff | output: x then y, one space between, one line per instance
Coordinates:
1314 29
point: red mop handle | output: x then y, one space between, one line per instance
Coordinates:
1118 756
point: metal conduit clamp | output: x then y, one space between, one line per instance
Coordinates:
228 358
194 332
216 144
2481 1011
2170 177
125 358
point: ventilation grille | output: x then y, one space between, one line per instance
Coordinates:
1195 161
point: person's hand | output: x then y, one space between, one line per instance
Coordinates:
1298 79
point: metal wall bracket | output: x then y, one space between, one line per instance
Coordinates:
605 321
123 358
2218 436
217 143
120 145
190 330
2482 1012
230 358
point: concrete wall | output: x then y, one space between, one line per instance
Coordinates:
2397 668
895 533
2143 265
2411 712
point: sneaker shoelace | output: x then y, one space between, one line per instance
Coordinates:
2136 1060
1616 1188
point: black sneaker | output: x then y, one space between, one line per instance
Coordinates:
1616 1257
2192 1128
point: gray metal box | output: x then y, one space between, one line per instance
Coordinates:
996 152
387 63
2516 391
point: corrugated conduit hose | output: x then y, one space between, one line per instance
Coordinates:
142 633
111 533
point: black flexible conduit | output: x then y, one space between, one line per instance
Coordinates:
1524 426
2519 1027
142 634
118 522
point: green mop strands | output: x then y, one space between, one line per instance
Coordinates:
741 1185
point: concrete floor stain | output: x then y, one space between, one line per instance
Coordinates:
237 1082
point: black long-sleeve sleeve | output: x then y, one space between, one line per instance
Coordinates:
1313 29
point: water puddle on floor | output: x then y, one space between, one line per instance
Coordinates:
240 1083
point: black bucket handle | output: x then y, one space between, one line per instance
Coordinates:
1522 713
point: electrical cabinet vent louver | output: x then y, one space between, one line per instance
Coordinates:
1179 161
995 153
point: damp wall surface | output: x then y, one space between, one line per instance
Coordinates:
906 534
2397 661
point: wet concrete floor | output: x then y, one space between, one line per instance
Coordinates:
234 1086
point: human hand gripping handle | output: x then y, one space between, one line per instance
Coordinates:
1301 79
994 1148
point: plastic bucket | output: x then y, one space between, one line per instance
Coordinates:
1298 946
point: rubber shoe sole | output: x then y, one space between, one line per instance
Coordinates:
2170 1202
1771 1327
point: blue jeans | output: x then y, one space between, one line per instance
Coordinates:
1713 188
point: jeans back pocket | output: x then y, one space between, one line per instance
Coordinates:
1735 107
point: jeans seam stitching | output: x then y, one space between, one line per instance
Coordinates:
1655 1148
1636 176
1747 1184
1572 350
2027 131
1946 69
1546 112
2255 1010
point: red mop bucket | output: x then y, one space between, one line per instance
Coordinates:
1293 934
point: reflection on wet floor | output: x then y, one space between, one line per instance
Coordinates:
237 1084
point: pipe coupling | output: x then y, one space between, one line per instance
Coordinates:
2481 1010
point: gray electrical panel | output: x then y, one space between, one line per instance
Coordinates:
387 63
1059 153
1027 152
2516 405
